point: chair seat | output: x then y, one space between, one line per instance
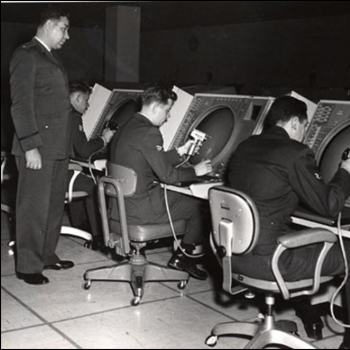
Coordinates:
270 286
144 233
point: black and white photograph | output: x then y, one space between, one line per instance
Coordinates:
175 174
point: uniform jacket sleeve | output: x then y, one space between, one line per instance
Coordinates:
81 146
22 72
326 199
162 162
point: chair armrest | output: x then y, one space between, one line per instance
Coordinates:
3 164
77 170
75 166
300 239
4 159
306 237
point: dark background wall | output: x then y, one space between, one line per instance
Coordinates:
303 53
262 56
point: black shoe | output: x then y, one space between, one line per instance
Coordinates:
33 278
313 326
183 263
314 329
61 265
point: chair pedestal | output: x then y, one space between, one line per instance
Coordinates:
276 336
263 334
137 271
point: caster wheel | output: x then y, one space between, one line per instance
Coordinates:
211 340
135 301
87 285
11 244
181 285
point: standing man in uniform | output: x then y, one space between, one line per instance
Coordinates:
41 145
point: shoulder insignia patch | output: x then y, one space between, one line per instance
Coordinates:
28 45
318 176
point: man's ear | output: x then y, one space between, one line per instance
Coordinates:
48 25
154 107
294 123
78 97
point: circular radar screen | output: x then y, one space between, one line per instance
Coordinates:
331 156
218 125
123 113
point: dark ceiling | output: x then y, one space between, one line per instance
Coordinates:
156 15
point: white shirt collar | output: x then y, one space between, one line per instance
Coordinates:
42 43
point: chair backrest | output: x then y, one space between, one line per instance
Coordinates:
235 220
126 177
121 182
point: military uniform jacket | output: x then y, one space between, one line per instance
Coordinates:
139 145
82 148
278 173
40 102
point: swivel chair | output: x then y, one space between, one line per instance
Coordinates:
235 222
8 200
128 240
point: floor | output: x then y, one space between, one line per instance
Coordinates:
62 315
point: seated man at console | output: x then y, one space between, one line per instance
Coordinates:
85 215
138 144
278 172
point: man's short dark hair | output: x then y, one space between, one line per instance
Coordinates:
158 94
53 13
283 109
79 87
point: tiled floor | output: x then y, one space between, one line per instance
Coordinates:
62 315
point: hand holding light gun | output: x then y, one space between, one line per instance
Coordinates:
198 138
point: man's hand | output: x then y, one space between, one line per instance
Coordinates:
184 149
345 164
107 135
203 168
33 159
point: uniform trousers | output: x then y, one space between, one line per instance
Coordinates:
296 264
181 207
39 213
194 210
